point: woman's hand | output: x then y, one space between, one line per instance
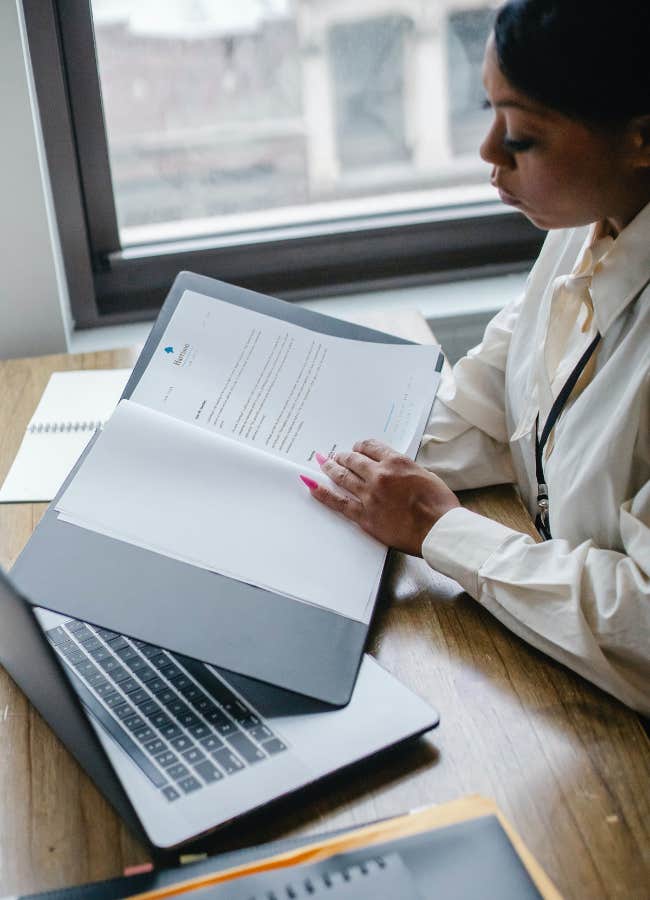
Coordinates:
386 494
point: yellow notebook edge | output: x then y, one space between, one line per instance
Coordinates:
415 822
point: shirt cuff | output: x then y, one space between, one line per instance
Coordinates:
460 543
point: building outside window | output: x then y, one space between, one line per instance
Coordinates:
225 115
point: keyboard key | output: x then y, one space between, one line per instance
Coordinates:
178 771
157 685
155 745
85 667
100 653
190 692
237 709
95 678
274 746
203 704
82 632
248 722
166 758
119 673
261 733
144 734
147 650
58 635
160 660
106 634
226 728
126 653
103 688
114 699
199 730
171 793
72 652
245 747
145 672
167 696
139 697
118 643
188 785
217 718
208 772
122 712
91 643
180 743
149 708
171 669
160 720
190 720
193 755
170 731
108 665
128 685
211 742
139 666
178 708
228 761
75 626
180 681
132 722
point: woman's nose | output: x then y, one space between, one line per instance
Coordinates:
492 150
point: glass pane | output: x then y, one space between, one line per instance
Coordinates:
228 116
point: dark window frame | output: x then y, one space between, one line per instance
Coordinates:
110 284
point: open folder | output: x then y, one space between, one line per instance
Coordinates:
185 522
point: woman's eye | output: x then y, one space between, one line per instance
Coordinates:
513 146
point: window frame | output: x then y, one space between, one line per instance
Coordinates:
109 283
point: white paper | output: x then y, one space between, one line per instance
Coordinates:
72 406
166 486
284 389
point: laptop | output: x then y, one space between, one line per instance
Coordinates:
180 747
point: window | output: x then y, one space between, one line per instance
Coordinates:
293 146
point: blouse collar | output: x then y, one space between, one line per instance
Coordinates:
623 269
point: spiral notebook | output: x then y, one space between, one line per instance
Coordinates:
73 405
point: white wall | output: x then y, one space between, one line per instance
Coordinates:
34 307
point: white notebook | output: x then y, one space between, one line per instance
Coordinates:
73 405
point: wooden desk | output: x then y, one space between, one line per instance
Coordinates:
567 764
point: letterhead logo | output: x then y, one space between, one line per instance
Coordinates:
182 357
169 349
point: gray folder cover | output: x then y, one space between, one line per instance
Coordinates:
189 610
469 861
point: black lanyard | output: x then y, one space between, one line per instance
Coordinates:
541 522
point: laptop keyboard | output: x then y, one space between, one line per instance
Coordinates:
180 723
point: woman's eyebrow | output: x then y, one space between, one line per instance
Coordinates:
515 104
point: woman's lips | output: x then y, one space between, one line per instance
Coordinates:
508 198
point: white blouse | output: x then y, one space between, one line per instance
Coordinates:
584 596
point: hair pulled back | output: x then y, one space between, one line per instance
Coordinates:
588 59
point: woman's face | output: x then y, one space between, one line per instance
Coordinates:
559 172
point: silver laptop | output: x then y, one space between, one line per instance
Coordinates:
180 747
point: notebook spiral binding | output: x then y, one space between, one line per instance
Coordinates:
62 427
316 886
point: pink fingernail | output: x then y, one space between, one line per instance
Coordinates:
311 484
320 459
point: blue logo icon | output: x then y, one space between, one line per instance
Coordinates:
169 349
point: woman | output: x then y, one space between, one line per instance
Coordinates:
569 144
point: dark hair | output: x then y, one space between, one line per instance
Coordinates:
588 59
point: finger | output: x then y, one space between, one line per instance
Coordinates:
373 448
342 476
356 462
344 504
